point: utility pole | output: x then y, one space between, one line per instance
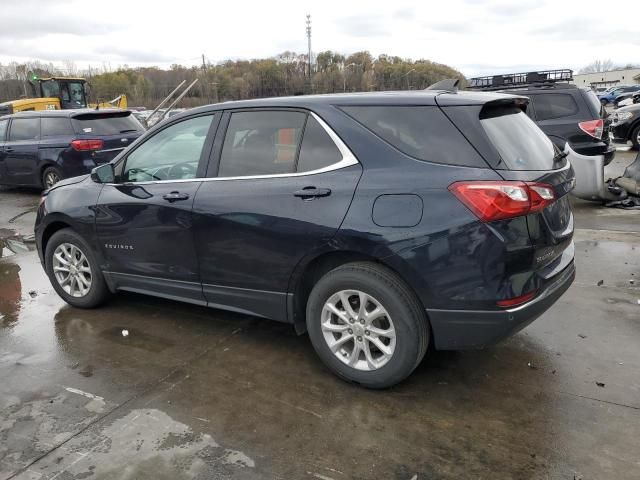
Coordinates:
309 41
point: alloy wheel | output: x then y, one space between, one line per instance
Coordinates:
358 330
72 270
51 178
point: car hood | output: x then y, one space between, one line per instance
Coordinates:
69 181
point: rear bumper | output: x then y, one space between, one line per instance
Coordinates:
468 329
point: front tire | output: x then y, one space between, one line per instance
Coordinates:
366 325
73 270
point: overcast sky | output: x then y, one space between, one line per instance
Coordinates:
474 36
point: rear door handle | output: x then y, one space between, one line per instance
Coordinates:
8 149
175 196
312 192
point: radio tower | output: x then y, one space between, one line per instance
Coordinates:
309 41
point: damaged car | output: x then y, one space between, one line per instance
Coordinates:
383 224
568 115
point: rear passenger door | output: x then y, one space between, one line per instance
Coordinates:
279 185
21 152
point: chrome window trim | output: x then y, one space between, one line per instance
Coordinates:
348 159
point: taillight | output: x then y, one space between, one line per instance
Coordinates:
593 128
85 145
498 200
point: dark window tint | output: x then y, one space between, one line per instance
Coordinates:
100 124
518 140
261 143
24 129
56 127
3 129
594 104
554 105
318 150
422 132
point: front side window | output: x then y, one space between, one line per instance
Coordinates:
171 154
24 129
261 143
3 129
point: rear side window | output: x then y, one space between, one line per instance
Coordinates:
24 129
518 140
3 129
594 104
101 124
56 127
261 143
554 105
424 133
318 150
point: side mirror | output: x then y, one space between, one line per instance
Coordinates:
103 174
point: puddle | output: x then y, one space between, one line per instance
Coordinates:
10 293
136 338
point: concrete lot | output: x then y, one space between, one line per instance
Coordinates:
197 393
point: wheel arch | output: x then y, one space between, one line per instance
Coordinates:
307 275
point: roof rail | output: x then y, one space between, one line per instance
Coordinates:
519 80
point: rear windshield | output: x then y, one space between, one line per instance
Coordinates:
519 141
101 124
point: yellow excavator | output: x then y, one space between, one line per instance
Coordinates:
58 93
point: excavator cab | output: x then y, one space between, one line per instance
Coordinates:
70 92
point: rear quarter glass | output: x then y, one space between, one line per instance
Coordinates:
518 140
422 132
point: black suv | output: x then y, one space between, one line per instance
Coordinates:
39 148
380 223
565 112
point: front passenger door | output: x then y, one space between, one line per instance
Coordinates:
144 223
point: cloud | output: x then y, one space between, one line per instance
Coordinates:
363 25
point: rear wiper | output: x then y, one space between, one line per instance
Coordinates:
129 130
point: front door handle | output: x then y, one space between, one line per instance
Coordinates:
175 196
308 193
8 149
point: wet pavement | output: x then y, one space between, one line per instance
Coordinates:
146 388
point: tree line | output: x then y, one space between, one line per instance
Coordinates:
284 74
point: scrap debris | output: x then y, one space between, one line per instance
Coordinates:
627 186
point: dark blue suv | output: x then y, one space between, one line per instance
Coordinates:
381 223
39 148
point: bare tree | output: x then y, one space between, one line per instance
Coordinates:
598 66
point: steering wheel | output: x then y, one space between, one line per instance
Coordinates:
181 171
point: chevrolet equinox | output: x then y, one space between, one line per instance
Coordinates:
380 223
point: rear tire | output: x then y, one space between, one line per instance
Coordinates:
635 138
73 270
50 176
347 338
